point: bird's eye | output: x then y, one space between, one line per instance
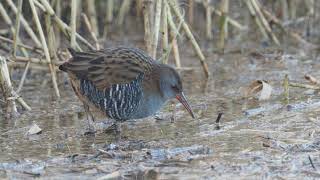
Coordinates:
174 87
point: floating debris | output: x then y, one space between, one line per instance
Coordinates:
34 129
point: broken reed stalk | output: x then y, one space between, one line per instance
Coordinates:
124 9
108 18
25 24
17 39
306 86
64 27
206 4
176 54
39 5
139 7
292 34
11 108
310 4
164 29
57 33
224 6
93 16
156 29
23 65
286 88
147 18
88 25
292 8
45 47
189 34
73 24
256 19
154 43
174 32
33 60
17 28
191 12
264 22
51 39
23 77
230 20
32 49
284 10
8 21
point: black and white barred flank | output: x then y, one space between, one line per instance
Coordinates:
119 101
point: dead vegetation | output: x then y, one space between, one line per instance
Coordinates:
35 39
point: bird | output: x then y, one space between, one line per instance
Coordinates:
123 83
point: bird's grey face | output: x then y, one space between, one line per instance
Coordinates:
170 83
171 87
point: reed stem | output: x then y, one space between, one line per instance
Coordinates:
73 23
189 34
45 47
156 29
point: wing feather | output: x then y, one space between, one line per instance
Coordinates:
107 67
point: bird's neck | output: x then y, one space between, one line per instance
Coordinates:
152 99
150 104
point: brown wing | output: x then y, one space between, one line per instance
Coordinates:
110 66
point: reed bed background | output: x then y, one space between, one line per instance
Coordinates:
34 34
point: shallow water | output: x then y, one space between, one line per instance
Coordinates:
253 139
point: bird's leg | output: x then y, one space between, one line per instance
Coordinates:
113 127
90 120
117 130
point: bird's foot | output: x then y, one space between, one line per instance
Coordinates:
90 133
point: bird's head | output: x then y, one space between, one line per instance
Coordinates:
171 86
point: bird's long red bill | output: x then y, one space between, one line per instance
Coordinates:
182 98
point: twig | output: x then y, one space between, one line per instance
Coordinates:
219 117
286 88
311 162
307 86
7 88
